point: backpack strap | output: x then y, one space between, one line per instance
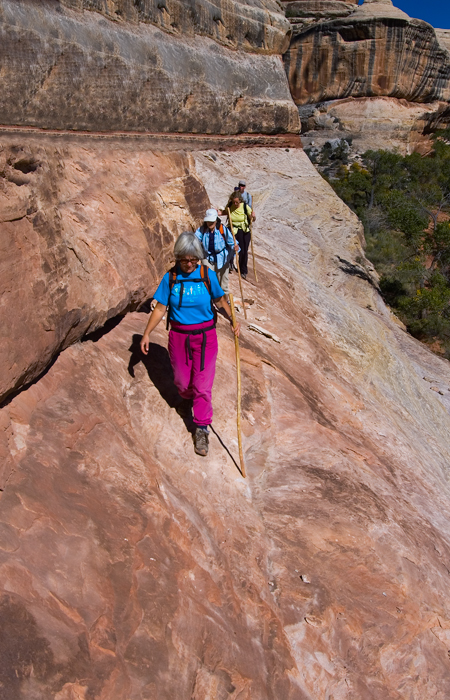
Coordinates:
204 274
246 213
172 280
220 226
204 277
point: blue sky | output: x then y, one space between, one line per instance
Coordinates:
436 12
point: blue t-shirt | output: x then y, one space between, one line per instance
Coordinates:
196 301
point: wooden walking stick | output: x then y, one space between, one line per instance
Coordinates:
253 252
238 371
237 261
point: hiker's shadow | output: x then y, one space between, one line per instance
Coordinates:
159 369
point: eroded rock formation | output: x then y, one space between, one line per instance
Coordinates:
66 69
372 123
366 57
131 568
85 227
373 50
240 24
305 12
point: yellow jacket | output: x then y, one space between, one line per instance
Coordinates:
239 217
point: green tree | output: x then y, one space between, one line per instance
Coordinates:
404 204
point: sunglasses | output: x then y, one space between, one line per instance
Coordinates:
188 261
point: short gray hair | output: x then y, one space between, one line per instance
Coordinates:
187 243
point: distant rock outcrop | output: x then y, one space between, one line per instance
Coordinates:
372 123
368 55
305 12
362 53
70 69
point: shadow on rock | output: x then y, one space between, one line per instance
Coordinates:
226 450
157 364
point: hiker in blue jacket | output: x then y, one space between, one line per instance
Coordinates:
219 246
246 196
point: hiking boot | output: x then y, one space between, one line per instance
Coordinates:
184 408
244 276
201 442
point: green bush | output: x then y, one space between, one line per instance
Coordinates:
404 204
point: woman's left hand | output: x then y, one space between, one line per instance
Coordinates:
236 329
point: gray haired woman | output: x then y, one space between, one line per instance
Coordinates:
188 292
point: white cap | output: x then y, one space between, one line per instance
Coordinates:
211 215
242 182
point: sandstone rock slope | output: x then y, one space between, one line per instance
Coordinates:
87 228
131 568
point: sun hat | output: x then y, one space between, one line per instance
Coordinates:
211 215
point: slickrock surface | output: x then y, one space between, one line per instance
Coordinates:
375 51
373 123
133 569
86 227
67 69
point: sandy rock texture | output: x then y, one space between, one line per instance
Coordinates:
85 228
241 24
443 36
375 51
302 13
71 69
132 569
373 123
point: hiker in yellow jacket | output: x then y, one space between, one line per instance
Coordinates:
240 214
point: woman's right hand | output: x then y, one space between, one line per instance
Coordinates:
145 343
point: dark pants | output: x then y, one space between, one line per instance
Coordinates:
244 241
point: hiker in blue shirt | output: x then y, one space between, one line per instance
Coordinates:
219 246
246 196
188 294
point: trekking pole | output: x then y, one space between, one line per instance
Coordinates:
253 252
238 371
237 261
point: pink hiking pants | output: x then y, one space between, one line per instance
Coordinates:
190 380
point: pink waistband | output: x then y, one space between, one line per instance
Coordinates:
191 326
